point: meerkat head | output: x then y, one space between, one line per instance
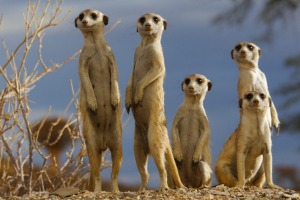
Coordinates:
151 24
196 84
246 52
255 101
90 19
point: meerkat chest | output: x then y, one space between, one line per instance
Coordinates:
251 81
191 126
97 64
257 135
146 59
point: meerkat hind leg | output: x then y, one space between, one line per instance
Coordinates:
116 157
158 150
226 175
259 178
141 151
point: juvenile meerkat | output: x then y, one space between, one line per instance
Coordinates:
145 96
251 78
99 97
246 158
191 132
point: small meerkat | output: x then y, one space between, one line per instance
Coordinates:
251 78
145 96
246 158
99 97
191 132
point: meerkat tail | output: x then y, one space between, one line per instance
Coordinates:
173 169
206 172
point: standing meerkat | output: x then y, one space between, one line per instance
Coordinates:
191 132
99 97
251 78
246 158
145 96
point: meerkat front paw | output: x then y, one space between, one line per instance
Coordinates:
115 100
138 97
276 125
195 161
128 100
92 105
178 157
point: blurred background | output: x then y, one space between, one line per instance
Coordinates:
198 39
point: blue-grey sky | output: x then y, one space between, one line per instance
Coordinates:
191 43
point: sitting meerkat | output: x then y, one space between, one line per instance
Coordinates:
145 96
99 97
191 132
251 78
246 158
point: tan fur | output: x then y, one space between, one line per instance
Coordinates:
251 78
145 95
191 132
99 97
246 158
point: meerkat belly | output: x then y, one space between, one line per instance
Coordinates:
151 105
254 158
189 130
101 83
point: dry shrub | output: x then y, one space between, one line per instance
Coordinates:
24 164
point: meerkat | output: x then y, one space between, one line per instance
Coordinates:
191 132
99 97
145 97
251 78
246 158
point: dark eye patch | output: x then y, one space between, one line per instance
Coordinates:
238 47
142 20
250 47
187 81
94 16
249 96
81 16
156 19
199 81
262 96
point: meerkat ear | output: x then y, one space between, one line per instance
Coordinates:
182 85
76 22
165 24
105 20
259 52
270 102
209 85
232 54
241 103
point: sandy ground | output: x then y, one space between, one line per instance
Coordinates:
218 192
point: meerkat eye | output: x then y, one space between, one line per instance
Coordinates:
155 19
94 16
142 20
250 47
81 16
238 47
187 81
249 96
262 96
199 81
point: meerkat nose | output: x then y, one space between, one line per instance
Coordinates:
84 21
255 101
243 52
